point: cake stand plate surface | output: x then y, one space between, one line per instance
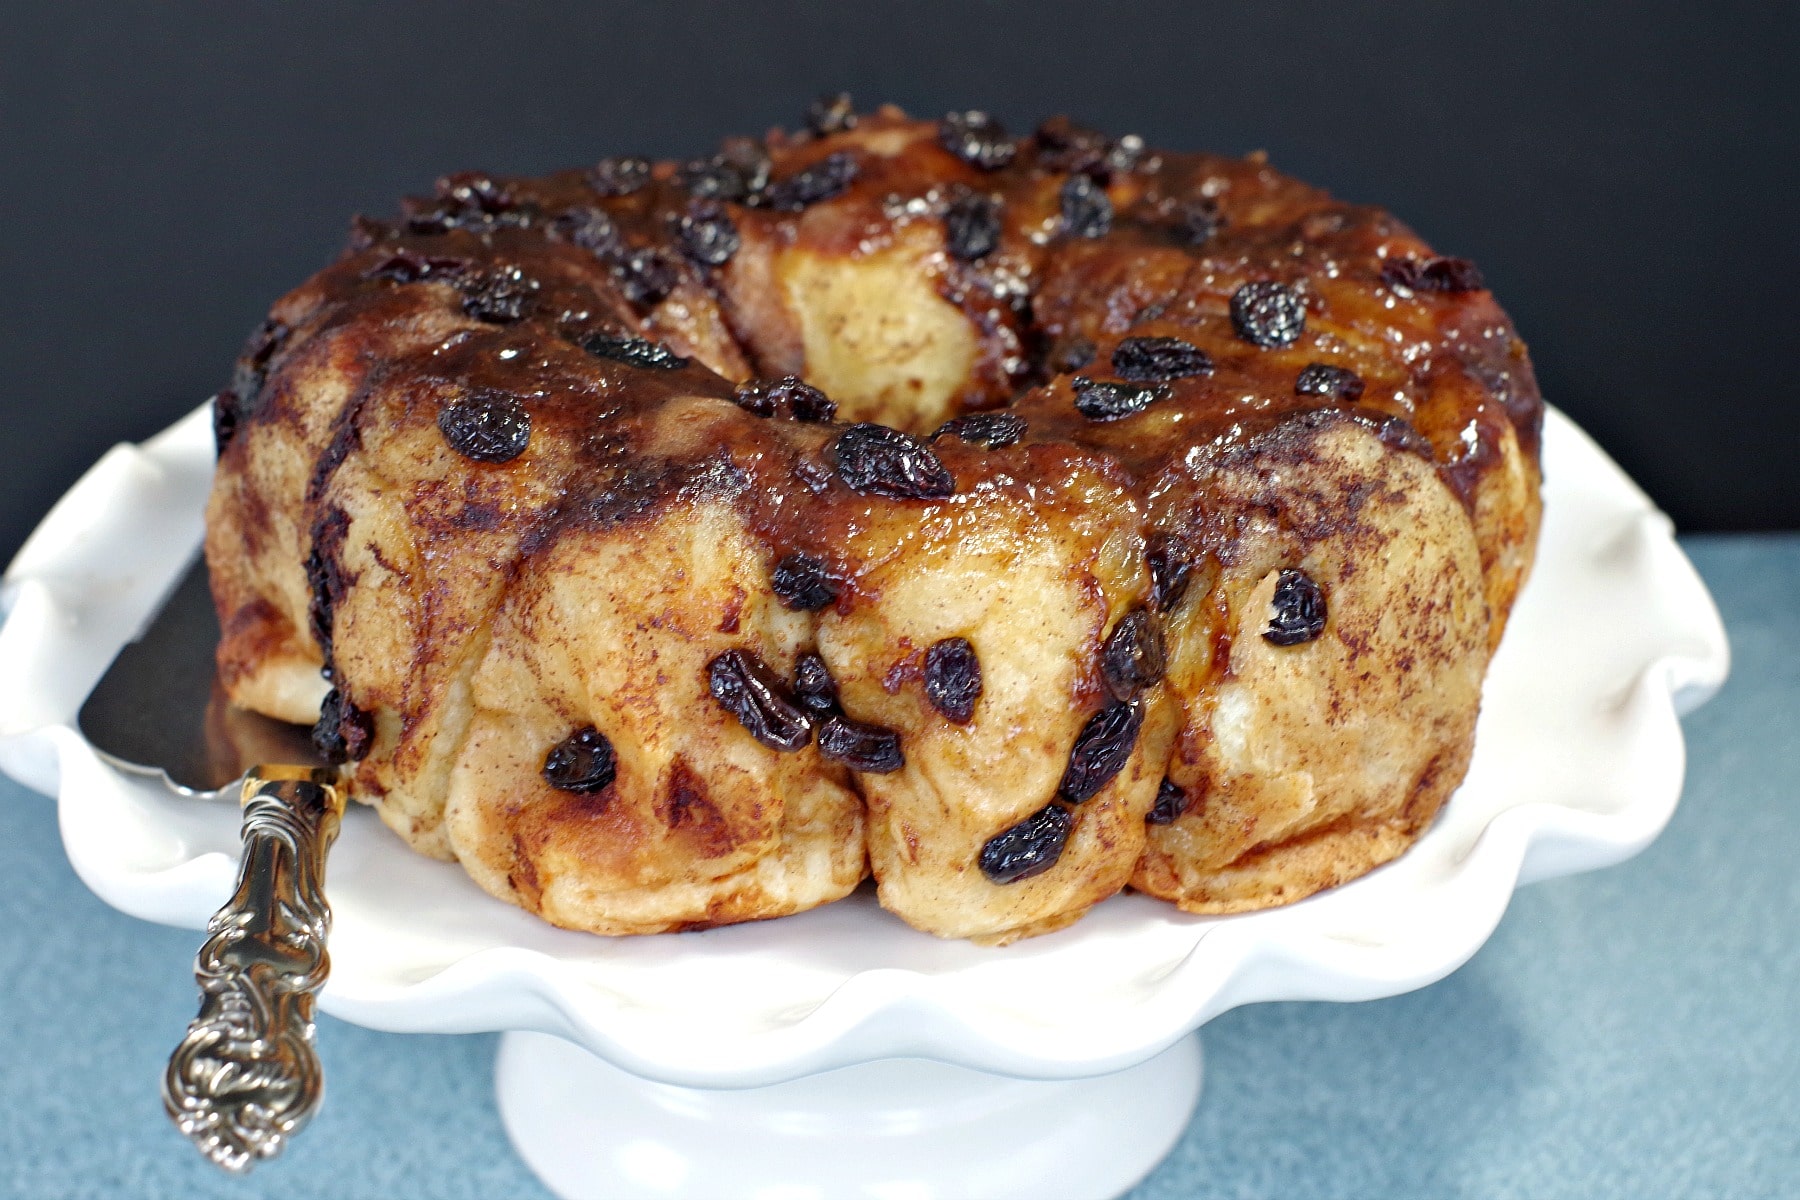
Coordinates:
1578 764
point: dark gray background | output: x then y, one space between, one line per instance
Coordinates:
1624 174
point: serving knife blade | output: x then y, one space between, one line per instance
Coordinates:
160 709
247 1076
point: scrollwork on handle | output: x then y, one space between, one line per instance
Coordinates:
246 1078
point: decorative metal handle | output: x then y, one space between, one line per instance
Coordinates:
247 1078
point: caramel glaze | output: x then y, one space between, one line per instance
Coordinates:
400 315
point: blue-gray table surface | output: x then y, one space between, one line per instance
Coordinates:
1634 1032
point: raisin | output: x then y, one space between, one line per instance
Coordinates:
1132 658
1197 221
746 688
1171 802
1086 209
874 460
1101 750
633 351
224 419
713 179
251 370
972 227
1100 400
409 266
789 396
500 297
831 113
325 582
1171 561
1072 355
619 176
860 746
1066 146
1029 848
802 584
645 276
814 686
1299 609
821 181
582 763
977 139
587 227
1126 154
474 191
707 234
1323 379
953 678
487 427
1435 274
1155 359
367 233
989 430
344 731
1268 314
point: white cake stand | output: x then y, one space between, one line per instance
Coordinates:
868 1059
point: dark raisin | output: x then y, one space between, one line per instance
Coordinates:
251 370
367 232
224 419
488 427
1072 355
746 688
802 583
1103 400
1322 379
500 297
1101 750
1132 658
1298 609
860 746
326 585
789 396
587 227
645 276
406 265
877 461
712 179
831 113
1086 210
1268 314
953 678
1197 221
977 139
619 176
1124 156
474 191
1171 802
1029 848
989 430
1154 359
814 686
972 227
1436 274
344 731
582 763
821 181
1062 145
706 233
1171 561
633 351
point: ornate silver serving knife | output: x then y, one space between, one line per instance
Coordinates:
246 1078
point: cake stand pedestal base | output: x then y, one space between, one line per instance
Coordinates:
899 1128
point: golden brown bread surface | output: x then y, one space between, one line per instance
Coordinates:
1199 600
